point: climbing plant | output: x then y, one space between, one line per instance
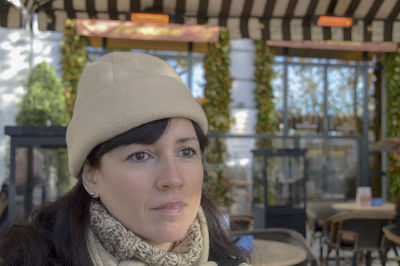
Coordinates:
263 96
263 93
73 61
392 79
217 92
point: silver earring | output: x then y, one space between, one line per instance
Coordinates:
92 194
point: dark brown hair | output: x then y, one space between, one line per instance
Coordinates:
55 235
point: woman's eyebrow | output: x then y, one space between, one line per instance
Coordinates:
183 140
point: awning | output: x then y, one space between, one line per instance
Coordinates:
283 20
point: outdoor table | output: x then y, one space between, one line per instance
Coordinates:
353 206
275 253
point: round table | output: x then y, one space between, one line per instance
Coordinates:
353 206
274 253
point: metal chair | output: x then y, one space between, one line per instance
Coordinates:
283 235
357 232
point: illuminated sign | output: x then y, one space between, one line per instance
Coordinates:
147 31
331 21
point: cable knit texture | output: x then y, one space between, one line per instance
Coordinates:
124 245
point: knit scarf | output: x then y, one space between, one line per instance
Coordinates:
123 244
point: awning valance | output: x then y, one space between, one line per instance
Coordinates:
139 31
283 20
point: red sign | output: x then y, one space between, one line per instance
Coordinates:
331 21
147 31
149 18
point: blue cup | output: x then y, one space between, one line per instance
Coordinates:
377 201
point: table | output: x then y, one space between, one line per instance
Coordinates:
386 207
274 253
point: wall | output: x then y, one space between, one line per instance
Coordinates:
19 52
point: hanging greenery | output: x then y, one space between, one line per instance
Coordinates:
217 92
263 93
263 96
392 79
73 60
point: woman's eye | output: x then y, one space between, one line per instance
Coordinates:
139 156
187 152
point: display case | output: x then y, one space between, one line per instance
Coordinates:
282 174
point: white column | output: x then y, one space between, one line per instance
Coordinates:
243 111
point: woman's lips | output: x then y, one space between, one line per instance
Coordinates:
170 208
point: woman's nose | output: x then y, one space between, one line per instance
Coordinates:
169 174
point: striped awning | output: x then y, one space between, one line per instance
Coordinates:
283 20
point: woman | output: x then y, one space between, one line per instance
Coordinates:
135 143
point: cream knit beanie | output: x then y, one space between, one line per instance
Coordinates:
123 90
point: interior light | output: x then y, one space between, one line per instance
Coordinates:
332 21
150 18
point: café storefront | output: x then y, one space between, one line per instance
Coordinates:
337 138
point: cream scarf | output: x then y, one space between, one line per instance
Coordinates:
110 243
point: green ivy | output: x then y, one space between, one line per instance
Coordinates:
392 79
263 93
263 96
217 92
73 61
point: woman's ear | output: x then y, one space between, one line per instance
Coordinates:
89 180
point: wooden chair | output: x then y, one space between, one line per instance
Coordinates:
392 235
283 235
240 222
357 232
317 212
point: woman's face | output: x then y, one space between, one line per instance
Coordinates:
154 190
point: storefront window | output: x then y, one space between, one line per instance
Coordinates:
344 100
189 65
320 103
305 99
